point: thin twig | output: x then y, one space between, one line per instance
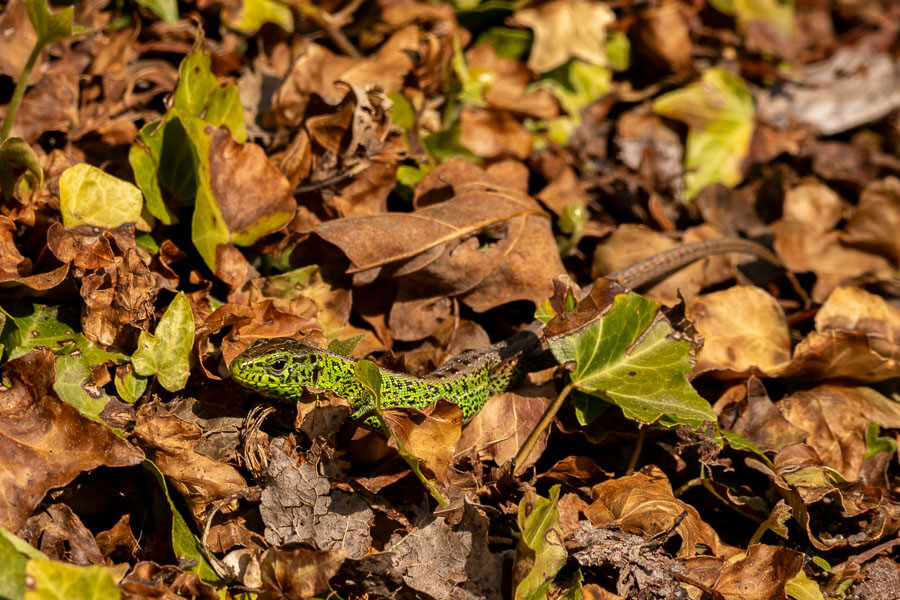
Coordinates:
638 446
544 423
324 21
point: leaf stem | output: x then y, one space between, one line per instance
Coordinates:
544 423
324 20
636 454
19 92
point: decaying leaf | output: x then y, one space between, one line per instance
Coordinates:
46 443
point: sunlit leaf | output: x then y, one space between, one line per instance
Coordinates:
88 196
247 16
719 113
629 356
876 443
73 377
50 580
345 347
540 553
167 10
129 385
802 587
52 27
167 353
12 571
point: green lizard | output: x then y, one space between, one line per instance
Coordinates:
283 367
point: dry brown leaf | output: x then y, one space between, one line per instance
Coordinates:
500 428
565 29
59 533
814 204
744 332
760 574
493 133
439 252
430 434
762 423
876 221
802 248
509 79
662 36
857 335
170 443
297 573
836 418
44 442
643 504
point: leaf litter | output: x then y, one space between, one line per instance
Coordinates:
407 183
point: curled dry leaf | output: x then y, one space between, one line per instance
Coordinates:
814 204
762 423
643 504
836 418
171 444
297 573
876 221
802 248
760 574
744 332
856 337
44 442
429 434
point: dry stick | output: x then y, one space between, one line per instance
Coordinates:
638 445
323 20
532 439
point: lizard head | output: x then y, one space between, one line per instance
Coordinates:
277 367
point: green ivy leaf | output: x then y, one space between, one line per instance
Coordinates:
247 16
72 375
368 374
776 13
167 10
88 196
33 326
129 385
167 353
162 157
628 356
52 27
507 42
12 571
719 113
801 587
16 153
541 545
50 580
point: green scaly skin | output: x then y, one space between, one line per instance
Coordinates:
283 368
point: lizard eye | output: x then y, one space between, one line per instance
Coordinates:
278 365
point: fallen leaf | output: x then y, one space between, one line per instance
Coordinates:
566 29
744 332
46 443
297 573
877 218
643 504
88 196
837 419
429 434
540 553
166 353
719 113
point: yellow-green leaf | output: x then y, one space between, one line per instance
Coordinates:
52 27
247 16
540 553
88 196
167 353
719 113
50 580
